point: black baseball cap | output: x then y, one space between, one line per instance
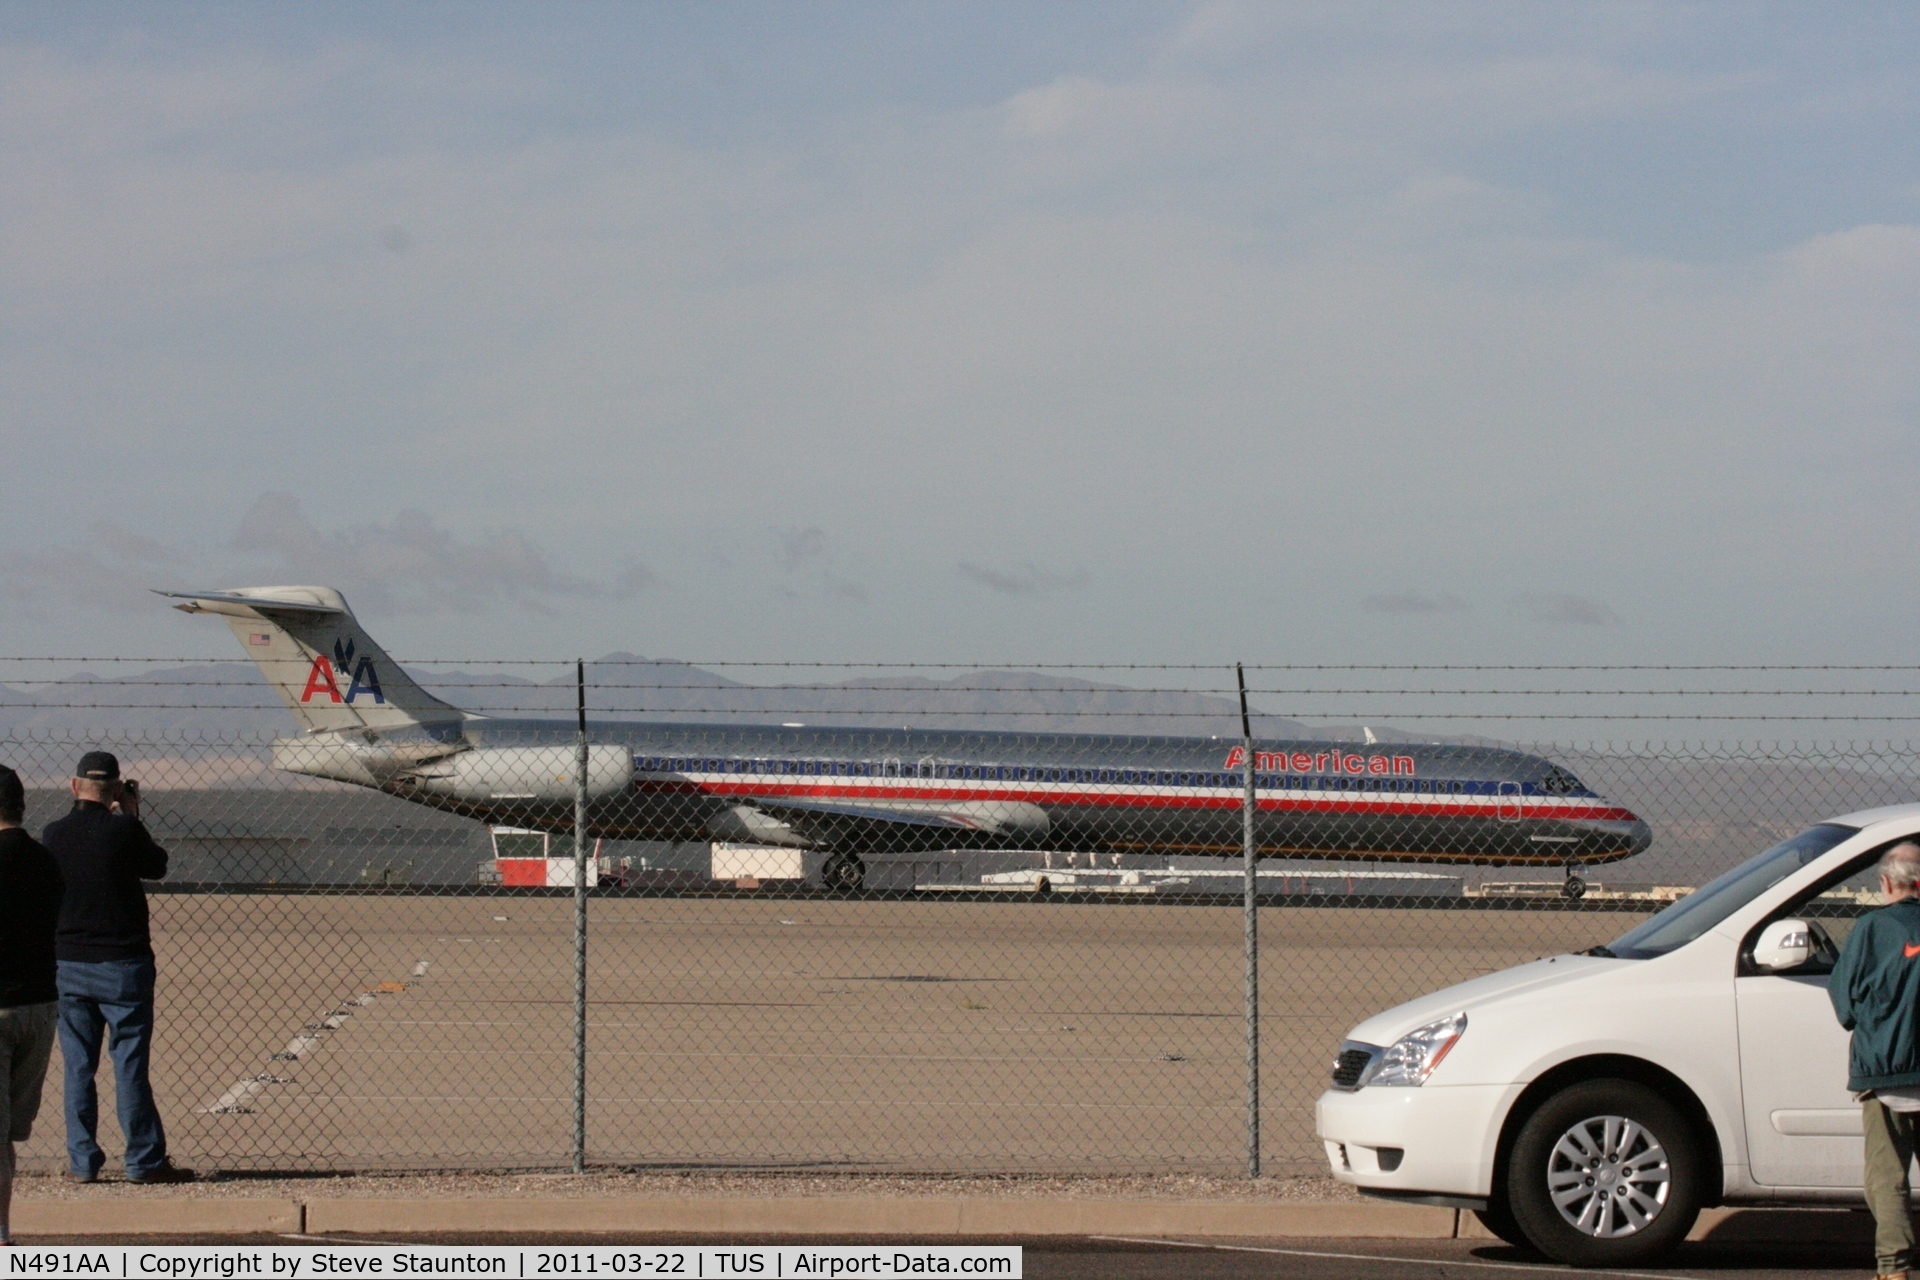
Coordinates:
98 766
13 795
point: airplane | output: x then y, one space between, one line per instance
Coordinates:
849 792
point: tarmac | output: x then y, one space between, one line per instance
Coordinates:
411 1032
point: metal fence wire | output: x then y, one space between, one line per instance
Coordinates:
833 943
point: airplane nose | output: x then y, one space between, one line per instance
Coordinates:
1617 838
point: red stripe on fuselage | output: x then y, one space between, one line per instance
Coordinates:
1477 807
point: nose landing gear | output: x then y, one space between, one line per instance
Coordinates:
1575 888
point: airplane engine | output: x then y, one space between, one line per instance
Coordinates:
1014 819
325 756
530 774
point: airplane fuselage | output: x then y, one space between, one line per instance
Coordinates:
865 790
850 791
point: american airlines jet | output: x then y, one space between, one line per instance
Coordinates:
853 791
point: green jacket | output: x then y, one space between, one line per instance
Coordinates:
1875 990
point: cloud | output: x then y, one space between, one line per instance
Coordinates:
411 564
844 588
1028 579
1568 610
113 569
1233 323
55 577
136 548
804 550
800 547
1413 602
633 578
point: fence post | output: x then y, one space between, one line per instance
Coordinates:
580 926
1251 908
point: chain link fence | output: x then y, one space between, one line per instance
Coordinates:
1010 942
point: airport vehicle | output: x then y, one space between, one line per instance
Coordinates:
849 791
1591 1104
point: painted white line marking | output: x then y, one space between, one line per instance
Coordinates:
295 1047
237 1100
234 1101
1385 1257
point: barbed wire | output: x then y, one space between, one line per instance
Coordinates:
1021 666
1374 714
1204 690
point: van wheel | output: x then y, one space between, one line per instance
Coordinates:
1605 1173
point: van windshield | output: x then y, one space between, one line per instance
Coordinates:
1706 907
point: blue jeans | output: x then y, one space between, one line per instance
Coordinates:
96 997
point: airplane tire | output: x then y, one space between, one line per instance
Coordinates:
1575 888
843 873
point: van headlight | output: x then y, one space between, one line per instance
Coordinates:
1409 1060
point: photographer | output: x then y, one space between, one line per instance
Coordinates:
106 971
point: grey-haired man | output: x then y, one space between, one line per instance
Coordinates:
1875 989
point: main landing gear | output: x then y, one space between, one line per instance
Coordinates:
843 873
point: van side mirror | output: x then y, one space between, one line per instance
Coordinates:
1784 944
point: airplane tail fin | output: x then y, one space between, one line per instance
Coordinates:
314 652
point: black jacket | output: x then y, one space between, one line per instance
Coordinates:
29 910
103 857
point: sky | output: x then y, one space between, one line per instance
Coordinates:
1118 332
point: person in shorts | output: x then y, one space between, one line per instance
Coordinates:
30 891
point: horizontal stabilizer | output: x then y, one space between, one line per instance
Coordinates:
209 602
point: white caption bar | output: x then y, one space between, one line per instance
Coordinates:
516 1262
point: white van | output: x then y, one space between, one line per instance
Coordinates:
1590 1105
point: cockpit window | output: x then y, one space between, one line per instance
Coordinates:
1706 907
1559 782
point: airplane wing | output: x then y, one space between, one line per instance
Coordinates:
995 817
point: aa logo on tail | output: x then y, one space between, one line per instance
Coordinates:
322 677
